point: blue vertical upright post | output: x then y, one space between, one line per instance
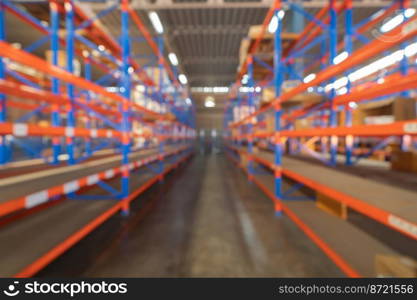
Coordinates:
125 90
349 50
70 30
332 55
161 103
54 39
278 79
322 113
251 84
404 62
3 113
238 110
404 71
87 74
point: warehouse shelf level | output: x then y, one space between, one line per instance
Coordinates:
323 103
84 128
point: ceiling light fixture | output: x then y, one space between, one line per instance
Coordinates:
173 59
341 57
309 77
156 22
209 102
182 78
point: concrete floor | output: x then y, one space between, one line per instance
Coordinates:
206 220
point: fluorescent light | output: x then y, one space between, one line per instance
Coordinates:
63 157
353 105
410 50
273 25
309 78
183 79
245 79
173 59
156 22
341 57
209 102
342 91
377 65
248 89
140 88
206 89
220 89
341 82
409 12
112 89
391 24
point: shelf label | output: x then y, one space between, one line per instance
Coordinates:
36 199
71 186
93 133
69 131
109 174
403 225
20 129
410 127
92 179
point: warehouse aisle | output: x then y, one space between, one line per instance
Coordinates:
210 222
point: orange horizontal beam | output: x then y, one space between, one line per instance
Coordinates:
27 92
20 56
401 33
392 129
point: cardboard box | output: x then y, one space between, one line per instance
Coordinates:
62 58
269 122
268 95
405 161
244 160
303 124
62 61
395 266
331 206
400 108
358 117
404 109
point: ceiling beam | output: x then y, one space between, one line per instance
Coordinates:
202 30
169 4
211 76
210 60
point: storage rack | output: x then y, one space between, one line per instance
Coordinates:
91 142
387 204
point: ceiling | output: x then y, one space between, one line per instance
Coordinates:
206 34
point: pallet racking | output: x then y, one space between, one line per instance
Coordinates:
103 147
343 83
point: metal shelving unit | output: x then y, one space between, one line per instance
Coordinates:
343 84
90 136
